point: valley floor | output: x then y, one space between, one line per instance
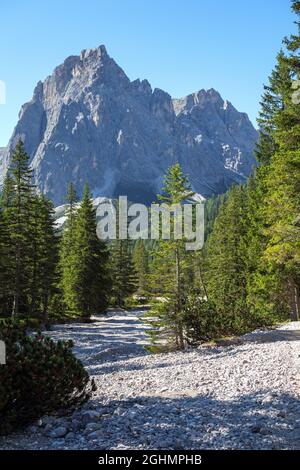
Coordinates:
241 396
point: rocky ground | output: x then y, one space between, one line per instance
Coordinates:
239 396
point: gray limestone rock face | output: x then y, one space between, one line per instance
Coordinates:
88 122
2 154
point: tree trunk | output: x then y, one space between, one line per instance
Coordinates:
45 308
178 301
16 300
202 280
17 288
294 300
34 288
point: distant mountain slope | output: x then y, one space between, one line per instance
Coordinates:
88 122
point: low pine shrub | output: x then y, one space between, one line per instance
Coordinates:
40 376
199 319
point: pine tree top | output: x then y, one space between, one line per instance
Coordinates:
176 187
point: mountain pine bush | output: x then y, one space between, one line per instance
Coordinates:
40 376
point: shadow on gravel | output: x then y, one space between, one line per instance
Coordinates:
272 336
229 346
123 365
87 331
258 421
95 337
263 420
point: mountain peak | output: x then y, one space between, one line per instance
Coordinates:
98 53
198 98
87 122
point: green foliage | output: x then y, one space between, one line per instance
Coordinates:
16 207
166 325
226 264
282 204
28 245
176 187
242 285
43 256
271 106
4 287
40 376
253 252
211 209
199 319
84 262
141 266
170 268
123 271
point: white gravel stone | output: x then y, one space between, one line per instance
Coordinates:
241 396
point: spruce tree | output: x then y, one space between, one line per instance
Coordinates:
4 268
123 272
85 276
18 195
282 206
273 285
67 248
169 267
27 242
44 256
271 105
6 249
278 268
71 200
226 263
140 260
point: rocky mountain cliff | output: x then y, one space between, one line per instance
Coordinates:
88 122
2 153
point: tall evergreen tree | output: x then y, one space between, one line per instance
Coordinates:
140 260
123 272
271 105
5 290
71 200
266 299
4 268
67 247
18 194
85 277
44 256
268 232
169 266
27 242
282 204
226 263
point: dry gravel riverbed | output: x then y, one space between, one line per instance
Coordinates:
241 396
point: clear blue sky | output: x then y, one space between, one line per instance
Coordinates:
179 45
